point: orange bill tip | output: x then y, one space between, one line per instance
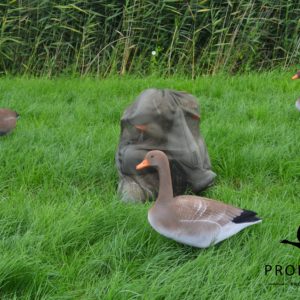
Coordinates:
195 117
144 164
296 76
140 127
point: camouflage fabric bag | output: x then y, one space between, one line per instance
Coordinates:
165 120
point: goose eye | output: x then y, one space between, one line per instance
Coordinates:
152 156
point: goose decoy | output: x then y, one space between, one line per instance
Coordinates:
293 243
297 76
191 220
298 104
8 120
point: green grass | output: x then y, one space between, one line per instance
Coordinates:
64 233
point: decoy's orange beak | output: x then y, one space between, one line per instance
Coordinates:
141 127
296 76
144 164
195 117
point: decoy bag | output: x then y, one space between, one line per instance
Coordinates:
166 120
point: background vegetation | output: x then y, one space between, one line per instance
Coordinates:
107 37
65 234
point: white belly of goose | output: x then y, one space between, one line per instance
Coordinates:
199 241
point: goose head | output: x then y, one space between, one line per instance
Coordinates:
154 158
159 160
296 76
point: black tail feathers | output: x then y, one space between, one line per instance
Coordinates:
247 216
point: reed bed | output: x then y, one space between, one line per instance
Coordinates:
118 37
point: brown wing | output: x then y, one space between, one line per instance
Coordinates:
199 209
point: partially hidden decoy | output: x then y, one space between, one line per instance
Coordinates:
297 76
8 120
191 220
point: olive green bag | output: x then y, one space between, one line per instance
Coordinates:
165 120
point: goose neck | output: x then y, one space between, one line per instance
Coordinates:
165 192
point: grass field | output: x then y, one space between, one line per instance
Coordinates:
66 235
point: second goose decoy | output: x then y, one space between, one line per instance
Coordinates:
297 76
191 220
8 120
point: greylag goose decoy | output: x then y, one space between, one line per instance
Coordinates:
293 243
191 220
297 76
8 120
